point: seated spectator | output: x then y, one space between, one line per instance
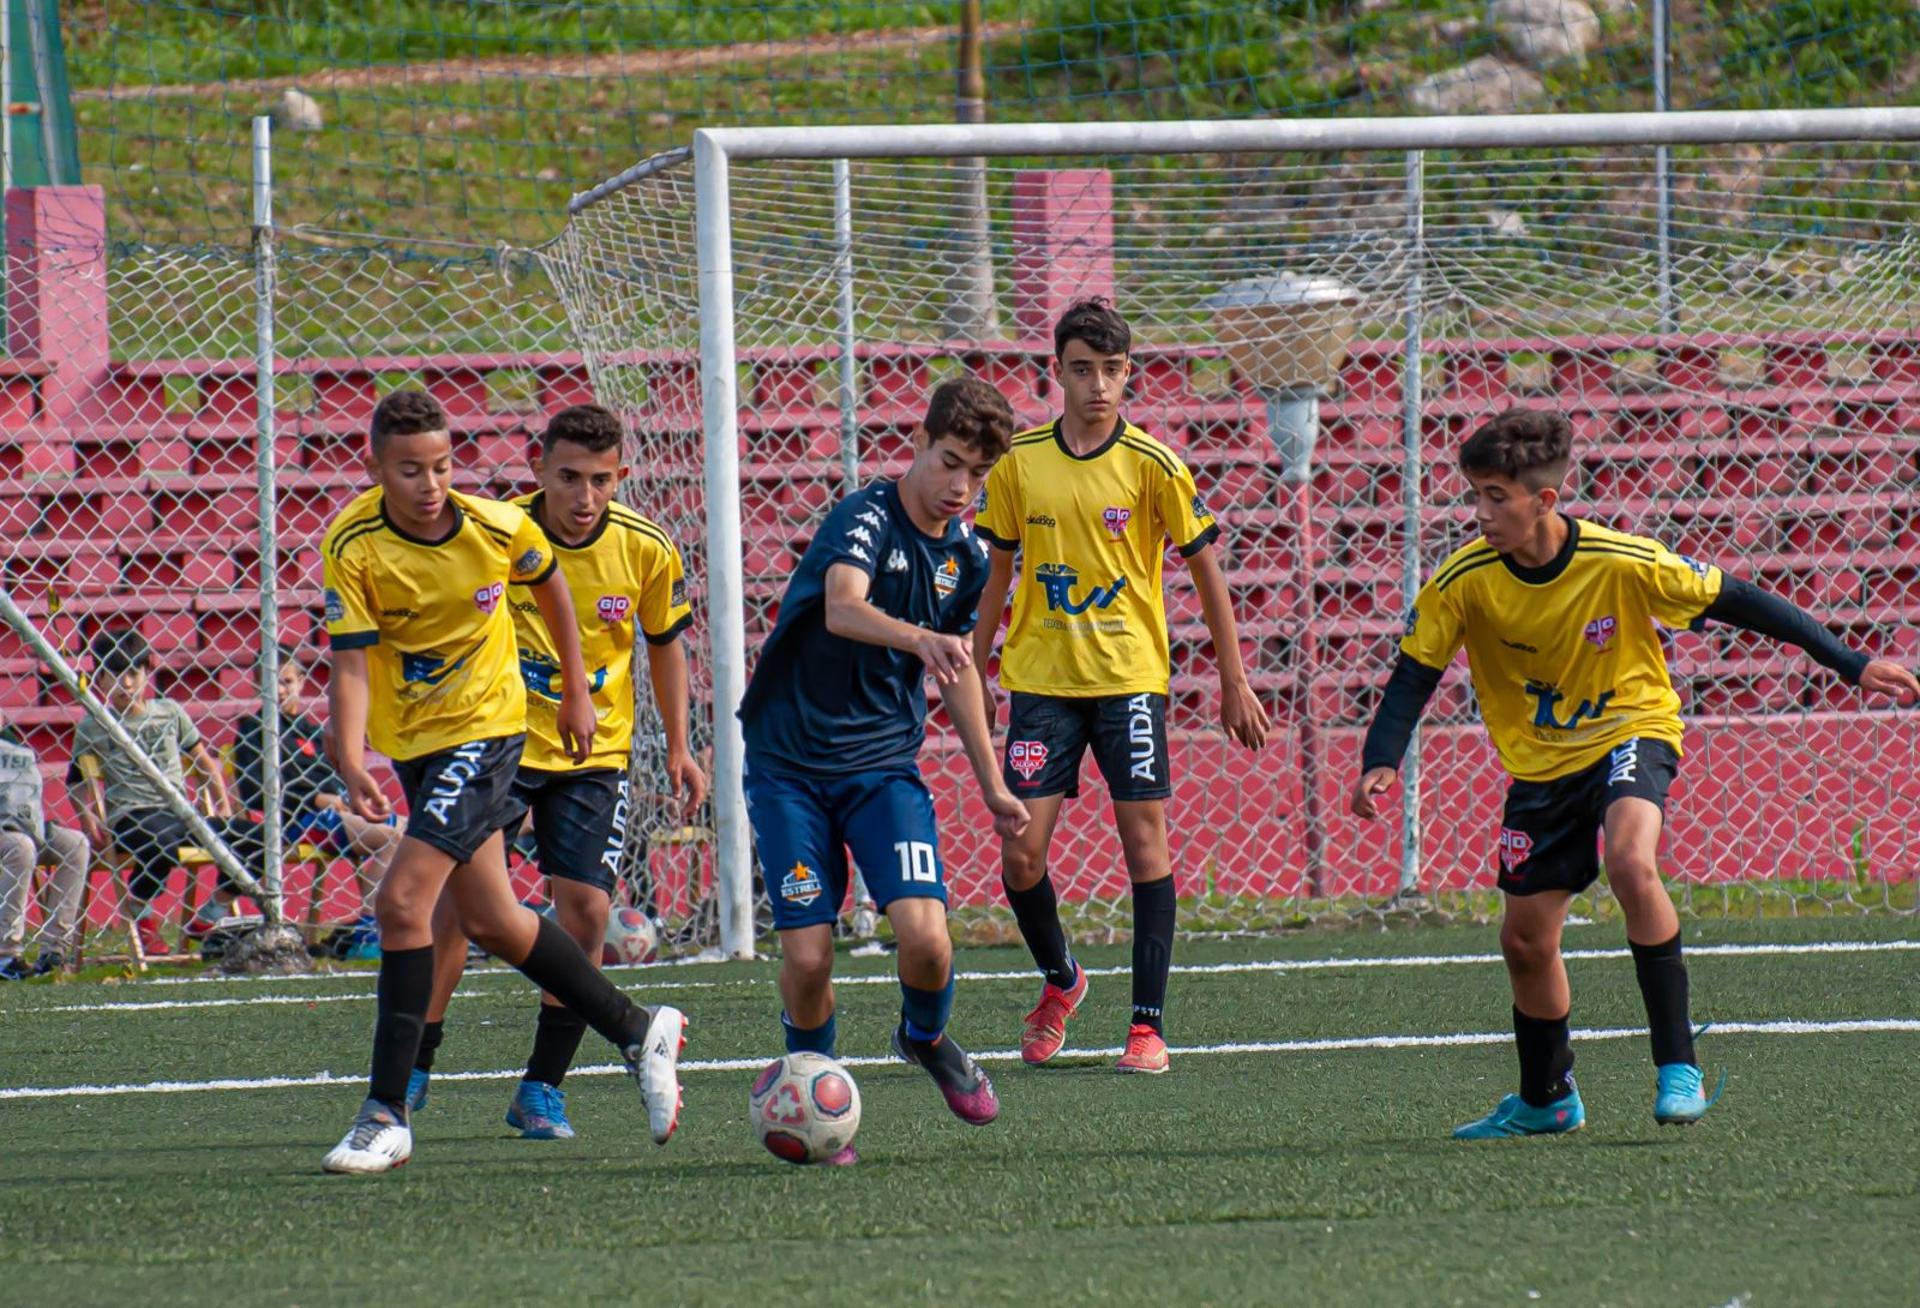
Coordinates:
26 840
312 798
119 805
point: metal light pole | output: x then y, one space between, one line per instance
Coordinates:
1288 335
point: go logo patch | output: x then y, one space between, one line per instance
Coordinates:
487 598
1515 848
613 608
1026 757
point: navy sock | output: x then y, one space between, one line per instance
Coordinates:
1662 974
430 1037
1154 908
925 1012
404 988
556 1039
816 1040
1546 1058
1038 913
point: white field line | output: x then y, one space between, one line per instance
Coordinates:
1336 1045
1196 969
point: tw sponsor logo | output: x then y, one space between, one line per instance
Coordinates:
1057 581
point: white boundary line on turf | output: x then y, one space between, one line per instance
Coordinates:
1786 1027
886 979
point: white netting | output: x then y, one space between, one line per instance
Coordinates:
1762 417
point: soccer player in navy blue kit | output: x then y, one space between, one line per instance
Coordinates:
835 716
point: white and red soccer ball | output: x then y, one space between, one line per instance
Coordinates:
804 1107
631 938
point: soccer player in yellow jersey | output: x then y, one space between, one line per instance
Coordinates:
424 666
1559 618
1089 502
625 578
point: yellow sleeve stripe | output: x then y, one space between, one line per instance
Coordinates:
1454 574
353 531
1478 555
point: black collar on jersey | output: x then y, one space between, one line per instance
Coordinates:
898 505
459 521
1119 429
1553 567
538 512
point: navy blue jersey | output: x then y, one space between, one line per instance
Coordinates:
820 703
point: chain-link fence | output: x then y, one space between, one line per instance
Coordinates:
1758 413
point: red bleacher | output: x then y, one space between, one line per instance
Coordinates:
130 498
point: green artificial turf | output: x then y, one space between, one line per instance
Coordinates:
1317 1176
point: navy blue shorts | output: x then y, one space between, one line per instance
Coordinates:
579 822
459 797
803 828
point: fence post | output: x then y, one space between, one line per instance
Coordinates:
265 465
849 363
1410 498
1663 168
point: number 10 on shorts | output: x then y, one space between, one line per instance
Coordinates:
916 861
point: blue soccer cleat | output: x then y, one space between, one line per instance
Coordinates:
1514 1117
416 1090
1682 1099
539 1112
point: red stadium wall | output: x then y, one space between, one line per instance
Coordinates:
124 490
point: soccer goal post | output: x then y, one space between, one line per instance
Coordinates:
1723 303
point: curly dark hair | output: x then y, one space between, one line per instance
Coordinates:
593 427
1532 446
970 411
404 413
1095 321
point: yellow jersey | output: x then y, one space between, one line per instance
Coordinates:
1565 658
432 616
1089 618
625 576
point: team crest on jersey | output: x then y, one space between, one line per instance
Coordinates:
487 598
678 595
1700 569
529 562
1515 847
947 577
801 885
1026 757
1200 509
1412 622
336 607
1601 631
613 608
1116 520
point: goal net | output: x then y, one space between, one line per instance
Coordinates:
1732 330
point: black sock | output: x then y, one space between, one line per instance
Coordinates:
1153 914
1038 913
938 1053
430 1038
556 1038
404 990
557 966
1663 987
1546 1058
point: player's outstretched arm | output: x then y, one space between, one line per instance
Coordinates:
849 615
993 604
347 698
966 706
1745 605
667 669
1240 711
575 719
1401 703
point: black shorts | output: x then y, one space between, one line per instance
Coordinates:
1047 734
579 822
460 796
1549 837
151 839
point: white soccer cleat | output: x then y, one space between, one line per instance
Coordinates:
654 1066
376 1142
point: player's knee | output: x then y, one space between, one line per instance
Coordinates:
398 905
1632 874
1020 867
1528 950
